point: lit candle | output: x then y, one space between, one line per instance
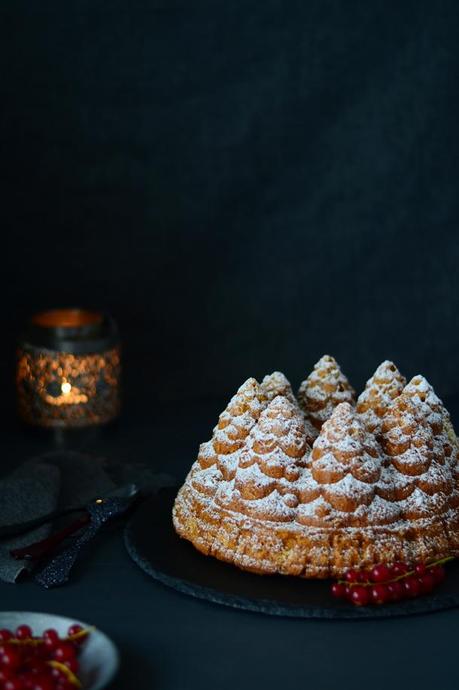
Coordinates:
68 369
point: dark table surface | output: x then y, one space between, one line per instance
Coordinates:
172 642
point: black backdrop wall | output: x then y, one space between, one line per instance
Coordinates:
244 186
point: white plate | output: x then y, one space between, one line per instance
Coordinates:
99 658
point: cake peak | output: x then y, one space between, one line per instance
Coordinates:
346 458
380 390
277 384
324 388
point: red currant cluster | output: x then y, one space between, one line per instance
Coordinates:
383 583
48 662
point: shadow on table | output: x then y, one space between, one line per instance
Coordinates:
135 671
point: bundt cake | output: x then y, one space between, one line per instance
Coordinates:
315 487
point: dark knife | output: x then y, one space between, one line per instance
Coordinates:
9 531
39 549
57 571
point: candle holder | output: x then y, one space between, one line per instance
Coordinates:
68 369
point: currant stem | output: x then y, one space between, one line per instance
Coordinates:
36 641
80 634
367 583
66 672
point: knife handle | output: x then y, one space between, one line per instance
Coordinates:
42 548
10 531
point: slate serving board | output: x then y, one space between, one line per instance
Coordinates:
153 544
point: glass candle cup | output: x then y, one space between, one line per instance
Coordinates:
68 369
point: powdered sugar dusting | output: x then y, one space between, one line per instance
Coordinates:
277 384
381 389
324 389
234 424
257 480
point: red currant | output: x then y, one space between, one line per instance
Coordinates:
420 569
39 667
352 576
51 638
14 684
5 674
399 569
357 575
11 658
380 573
28 681
65 685
360 596
74 629
72 664
43 683
5 635
64 651
396 590
427 582
412 587
23 632
379 594
338 590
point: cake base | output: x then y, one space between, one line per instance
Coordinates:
153 544
265 547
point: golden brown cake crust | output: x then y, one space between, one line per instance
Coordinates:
260 497
268 548
381 389
324 388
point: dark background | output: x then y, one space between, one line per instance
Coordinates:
244 185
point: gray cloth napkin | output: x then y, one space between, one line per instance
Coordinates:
60 480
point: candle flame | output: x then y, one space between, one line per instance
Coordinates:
66 388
